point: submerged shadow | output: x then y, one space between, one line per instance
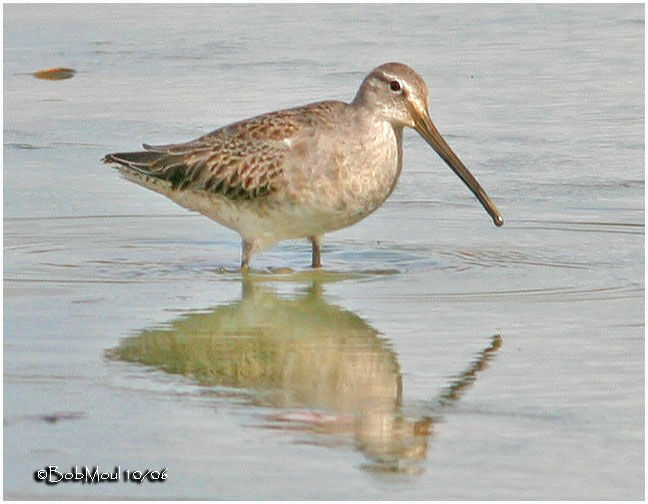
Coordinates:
324 369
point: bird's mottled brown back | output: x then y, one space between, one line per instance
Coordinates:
241 161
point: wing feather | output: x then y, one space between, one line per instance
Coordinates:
243 160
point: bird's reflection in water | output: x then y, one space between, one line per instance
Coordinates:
324 368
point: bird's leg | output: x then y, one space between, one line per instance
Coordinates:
246 255
317 253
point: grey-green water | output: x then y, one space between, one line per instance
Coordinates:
437 357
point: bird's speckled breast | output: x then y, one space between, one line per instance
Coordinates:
345 176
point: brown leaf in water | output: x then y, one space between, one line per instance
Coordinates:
55 73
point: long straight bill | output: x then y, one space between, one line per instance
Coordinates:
427 130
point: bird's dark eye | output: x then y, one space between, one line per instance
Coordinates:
395 85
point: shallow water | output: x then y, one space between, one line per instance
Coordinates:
436 356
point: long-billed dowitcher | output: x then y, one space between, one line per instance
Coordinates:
300 172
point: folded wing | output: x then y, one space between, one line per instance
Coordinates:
242 161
